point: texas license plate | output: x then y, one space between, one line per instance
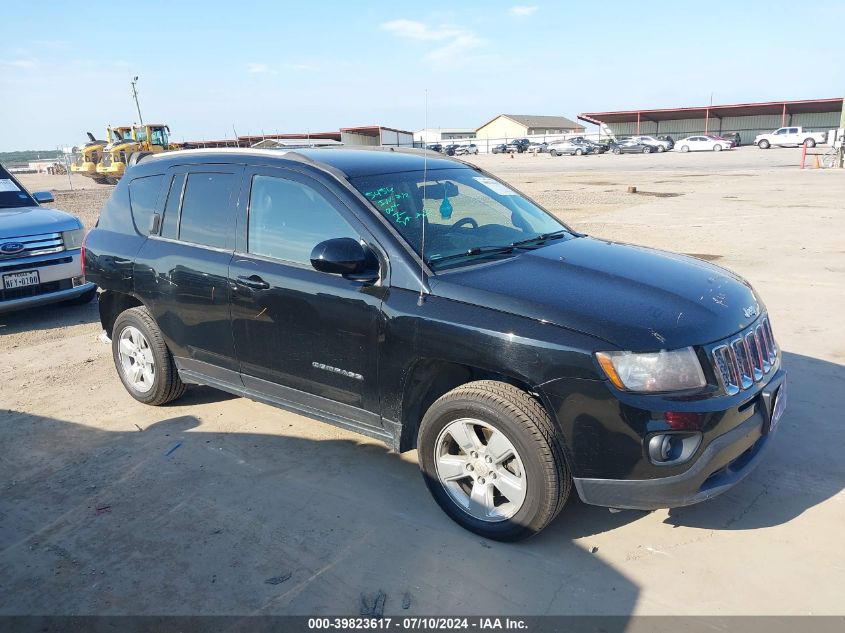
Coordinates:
19 280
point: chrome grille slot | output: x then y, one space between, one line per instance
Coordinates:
744 360
756 355
726 368
35 245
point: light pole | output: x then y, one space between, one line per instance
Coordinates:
135 96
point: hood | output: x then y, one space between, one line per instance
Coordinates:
635 298
22 221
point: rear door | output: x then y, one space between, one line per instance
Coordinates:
182 272
298 331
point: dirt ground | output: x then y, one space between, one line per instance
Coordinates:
220 505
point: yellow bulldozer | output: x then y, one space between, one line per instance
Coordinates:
85 162
125 141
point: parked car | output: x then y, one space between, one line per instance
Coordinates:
302 280
570 148
668 139
659 145
702 143
631 146
734 137
501 148
435 147
450 149
464 150
592 146
40 256
519 145
538 148
786 136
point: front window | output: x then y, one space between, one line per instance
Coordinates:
158 136
468 217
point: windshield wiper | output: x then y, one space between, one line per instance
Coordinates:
539 239
471 252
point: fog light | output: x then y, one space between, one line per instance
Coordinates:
78 281
672 448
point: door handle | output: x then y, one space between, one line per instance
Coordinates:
253 281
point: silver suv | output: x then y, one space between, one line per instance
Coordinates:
40 250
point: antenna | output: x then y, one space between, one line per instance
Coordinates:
135 96
421 298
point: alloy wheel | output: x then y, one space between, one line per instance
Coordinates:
480 469
136 359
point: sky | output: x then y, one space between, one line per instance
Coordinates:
211 68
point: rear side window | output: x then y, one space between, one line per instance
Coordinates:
170 223
143 195
206 216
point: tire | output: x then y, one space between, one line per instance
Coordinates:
165 385
717 148
83 299
660 149
579 151
764 144
533 466
617 151
684 148
646 150
810 142
554 152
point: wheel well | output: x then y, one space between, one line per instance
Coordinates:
111 304
428 380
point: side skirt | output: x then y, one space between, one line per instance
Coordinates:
293 400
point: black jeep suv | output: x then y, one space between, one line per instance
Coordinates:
422 301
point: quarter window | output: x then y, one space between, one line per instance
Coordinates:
287 219
206 215
143 194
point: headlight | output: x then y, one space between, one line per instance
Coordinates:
654 371
73 239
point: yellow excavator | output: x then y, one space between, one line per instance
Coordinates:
86 160
125 141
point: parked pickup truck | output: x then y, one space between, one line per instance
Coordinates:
790 136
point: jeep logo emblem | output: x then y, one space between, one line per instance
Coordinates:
11 248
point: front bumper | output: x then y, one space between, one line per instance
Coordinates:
56 272
723 463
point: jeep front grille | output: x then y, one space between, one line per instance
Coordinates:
746 359
34 245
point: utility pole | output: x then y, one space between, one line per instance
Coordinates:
135 96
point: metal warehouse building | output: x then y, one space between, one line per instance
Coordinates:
749 119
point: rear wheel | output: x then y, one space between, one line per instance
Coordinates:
810 142
554 152
579 151
660 149
764 144
646 150
684 148
143 362
492 460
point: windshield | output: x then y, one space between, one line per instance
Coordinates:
468 216
11 193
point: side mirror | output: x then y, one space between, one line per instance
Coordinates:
43 197
344 256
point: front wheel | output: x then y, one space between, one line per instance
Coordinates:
810 142
684 148
717 148
578 152
554 152
646 150
617 151
143 362
660 149
764 144
492 460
